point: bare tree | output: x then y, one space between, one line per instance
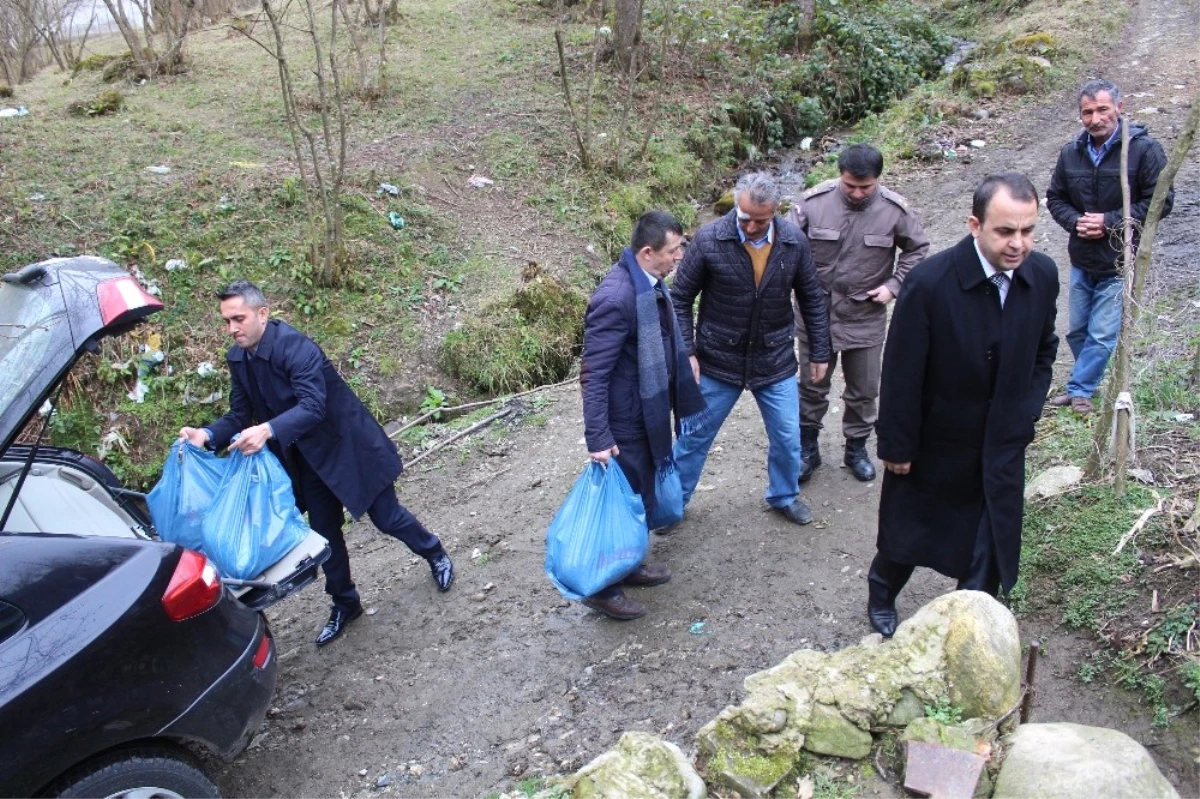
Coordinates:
320 151
627 35
1137 269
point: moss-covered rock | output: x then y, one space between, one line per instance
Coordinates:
640 766
932 731
963 646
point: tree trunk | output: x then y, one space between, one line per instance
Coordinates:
1141 266
627 34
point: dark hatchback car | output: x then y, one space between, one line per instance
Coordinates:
120 654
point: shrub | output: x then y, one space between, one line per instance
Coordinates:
106 102
93 63
6 91
526 340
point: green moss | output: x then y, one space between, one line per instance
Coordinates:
763 770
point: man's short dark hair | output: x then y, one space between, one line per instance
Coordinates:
652 228
1020 188
861 161
251 294
1094 87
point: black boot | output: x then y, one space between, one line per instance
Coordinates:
810 452
858 460
881 604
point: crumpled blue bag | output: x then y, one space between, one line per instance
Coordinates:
238 511
184 494
254 521
668 497
599 535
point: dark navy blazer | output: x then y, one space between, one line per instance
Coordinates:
288 382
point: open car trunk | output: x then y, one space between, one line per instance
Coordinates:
50 314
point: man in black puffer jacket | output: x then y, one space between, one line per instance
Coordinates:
1085 199
745 268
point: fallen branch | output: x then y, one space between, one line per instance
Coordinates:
1139 524
460 434
481 403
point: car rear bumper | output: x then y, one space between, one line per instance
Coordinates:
228 714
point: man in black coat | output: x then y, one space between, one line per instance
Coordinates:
746 267
287 396
1085 200
634 375
966 370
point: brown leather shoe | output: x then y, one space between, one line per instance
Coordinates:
1082 405
645 576
1061 400
619 607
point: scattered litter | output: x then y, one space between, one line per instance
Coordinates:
480 182
383 782
1142 476
977 143
159 170
396 220
175 264
225 204
476 554
37 198
388 188
245 164
205 369
806 143
697 628
372 611
112 440
1149 111
706 487
46 408
19 111
1185 417
362 772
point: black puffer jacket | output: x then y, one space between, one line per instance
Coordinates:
1078 187
744 335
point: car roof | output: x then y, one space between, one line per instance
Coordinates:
53 311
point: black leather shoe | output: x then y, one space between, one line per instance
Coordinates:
798 512
338 621
443 570
619 607
882 618
810 452
645 576
858 460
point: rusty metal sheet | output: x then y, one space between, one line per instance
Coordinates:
941 772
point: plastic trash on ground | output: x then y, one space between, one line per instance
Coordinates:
396 221
19 111
598 536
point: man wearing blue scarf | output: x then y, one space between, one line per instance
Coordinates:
635 372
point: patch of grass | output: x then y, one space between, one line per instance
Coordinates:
1067 550
527 339
943 712
106 102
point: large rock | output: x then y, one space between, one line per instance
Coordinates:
640 766
1053 761
1052 482
962 646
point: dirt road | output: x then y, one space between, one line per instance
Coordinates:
501 679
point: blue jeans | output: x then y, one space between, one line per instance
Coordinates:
779 405
1095 324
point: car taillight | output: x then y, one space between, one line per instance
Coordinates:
194 588
121 296
263 653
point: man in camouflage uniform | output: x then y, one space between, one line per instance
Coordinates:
855 225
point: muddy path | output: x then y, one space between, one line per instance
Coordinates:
501 679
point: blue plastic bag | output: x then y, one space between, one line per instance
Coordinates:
668 498
254 521
184 494
599 535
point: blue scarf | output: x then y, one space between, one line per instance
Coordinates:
653 388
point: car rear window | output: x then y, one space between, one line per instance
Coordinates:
26 321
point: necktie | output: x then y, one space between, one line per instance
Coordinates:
1000 281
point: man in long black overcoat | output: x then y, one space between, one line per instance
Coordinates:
966 371
287 396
